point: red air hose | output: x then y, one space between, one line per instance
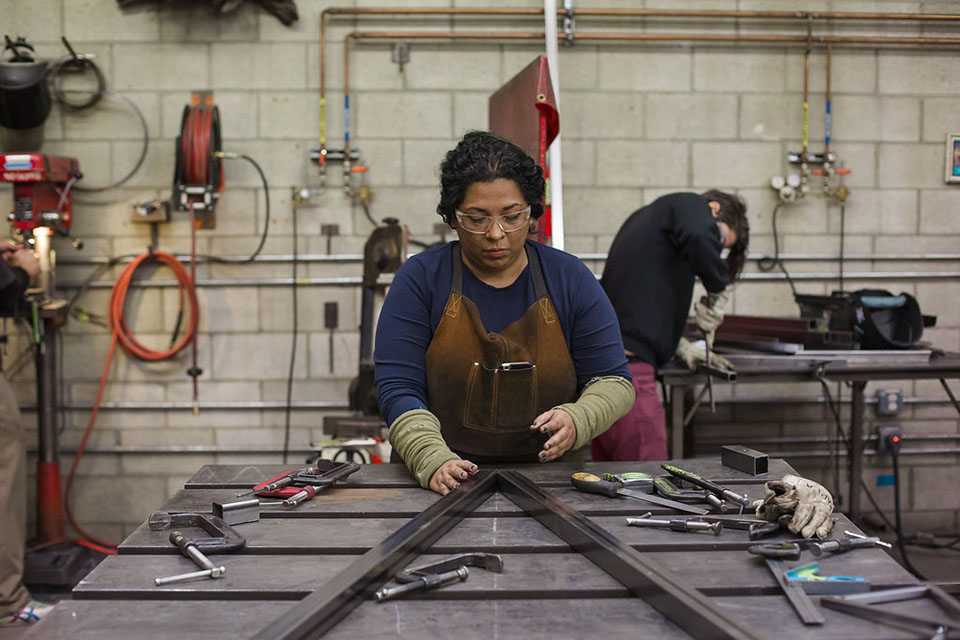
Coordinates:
133 347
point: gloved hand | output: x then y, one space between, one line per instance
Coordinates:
693 356
809 502
709 315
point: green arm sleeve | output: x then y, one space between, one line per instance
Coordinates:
416 437
601 403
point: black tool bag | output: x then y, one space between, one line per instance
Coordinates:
885 321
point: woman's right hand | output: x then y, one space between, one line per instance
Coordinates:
449 476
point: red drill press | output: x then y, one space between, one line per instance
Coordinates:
42 206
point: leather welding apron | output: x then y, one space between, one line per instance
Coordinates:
486 406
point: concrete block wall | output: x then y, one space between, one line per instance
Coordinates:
638 121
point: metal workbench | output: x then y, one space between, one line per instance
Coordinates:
779 369
546 589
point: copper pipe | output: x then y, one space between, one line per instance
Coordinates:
420 11
655 37
638 37
648 13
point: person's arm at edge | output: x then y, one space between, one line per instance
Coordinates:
602 402
416 437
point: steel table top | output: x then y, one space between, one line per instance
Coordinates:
545 590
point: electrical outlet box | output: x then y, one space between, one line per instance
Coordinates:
889 402
884 433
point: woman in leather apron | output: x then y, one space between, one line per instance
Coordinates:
495 348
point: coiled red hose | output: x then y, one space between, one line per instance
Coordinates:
133 347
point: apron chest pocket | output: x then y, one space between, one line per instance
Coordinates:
501 399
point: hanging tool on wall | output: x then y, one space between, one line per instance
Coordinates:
198 172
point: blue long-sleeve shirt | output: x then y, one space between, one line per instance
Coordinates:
415 303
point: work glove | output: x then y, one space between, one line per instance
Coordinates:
693 356
709 310
809 503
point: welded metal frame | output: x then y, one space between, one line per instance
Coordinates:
319 612
859 605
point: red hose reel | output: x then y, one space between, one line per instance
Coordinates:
198 174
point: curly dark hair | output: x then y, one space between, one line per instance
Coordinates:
482 156
733 211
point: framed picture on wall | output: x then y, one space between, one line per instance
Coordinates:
953 159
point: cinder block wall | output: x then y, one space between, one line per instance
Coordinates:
637 120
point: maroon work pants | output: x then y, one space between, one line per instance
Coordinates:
642 433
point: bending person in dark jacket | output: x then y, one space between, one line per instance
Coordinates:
649 276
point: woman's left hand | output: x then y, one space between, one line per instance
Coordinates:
564 433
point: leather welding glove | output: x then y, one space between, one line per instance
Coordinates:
692 356
810 504
709 313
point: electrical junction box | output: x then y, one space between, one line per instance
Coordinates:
885 433
889 402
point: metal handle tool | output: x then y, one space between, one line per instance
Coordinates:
708 342
709 485
679 524
632 480
423 583
843 544
304 494
590 483
183 577
189 549
854 534
782 551
666 488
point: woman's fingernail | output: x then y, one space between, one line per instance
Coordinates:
463 474
533 424
546 446
473 468
543 429
543 457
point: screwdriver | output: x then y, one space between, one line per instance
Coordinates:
590 483
709 485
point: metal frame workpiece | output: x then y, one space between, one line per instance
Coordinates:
318 613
